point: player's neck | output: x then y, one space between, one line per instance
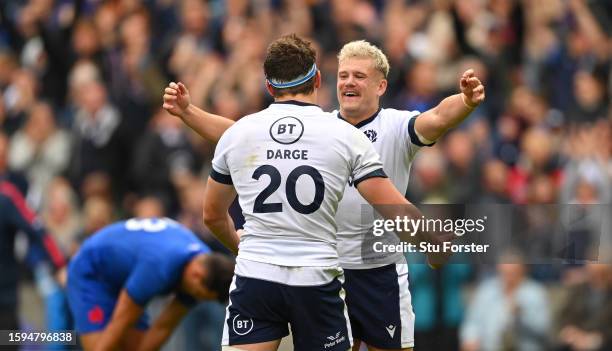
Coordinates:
309 98
357 117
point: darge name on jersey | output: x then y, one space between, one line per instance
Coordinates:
279 154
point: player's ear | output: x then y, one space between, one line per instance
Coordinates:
270 88
317 82
382 87
202 268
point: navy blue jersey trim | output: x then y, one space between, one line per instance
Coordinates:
365 121
379 173
295 102
413 136
221 178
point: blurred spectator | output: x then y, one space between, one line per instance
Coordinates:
507 312
40 150
495 182
99 139
18 97
163 154
149 207
438 302
43 253
135 77
463 168
97 184
428 185
421 93
586 314
97 213
587 186
61 214
6 174
190 214
591 101
193 42
538 158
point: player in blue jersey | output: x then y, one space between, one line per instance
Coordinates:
122 267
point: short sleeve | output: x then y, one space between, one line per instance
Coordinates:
220 168
365 161
145 282
406 121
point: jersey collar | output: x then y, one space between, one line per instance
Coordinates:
295 102
365 121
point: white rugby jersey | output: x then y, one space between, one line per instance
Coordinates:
290 164
393 135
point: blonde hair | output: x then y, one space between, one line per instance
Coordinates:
363 49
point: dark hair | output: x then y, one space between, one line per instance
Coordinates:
287 58
220 270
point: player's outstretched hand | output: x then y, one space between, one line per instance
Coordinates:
472 89
176 99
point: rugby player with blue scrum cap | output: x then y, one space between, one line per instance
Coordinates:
289 165
124 265
397 136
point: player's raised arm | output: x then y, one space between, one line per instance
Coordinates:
452 110
208 125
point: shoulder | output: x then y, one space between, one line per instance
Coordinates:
174 227
116 227
247 123
398 115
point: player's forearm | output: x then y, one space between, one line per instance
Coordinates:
111 338
449 113
223 229
391 204
156 336
154 339
402 211
125 315
163 326
209 126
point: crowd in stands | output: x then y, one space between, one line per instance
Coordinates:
83 135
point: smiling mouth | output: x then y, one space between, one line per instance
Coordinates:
350 94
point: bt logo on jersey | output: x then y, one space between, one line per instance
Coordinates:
287 130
